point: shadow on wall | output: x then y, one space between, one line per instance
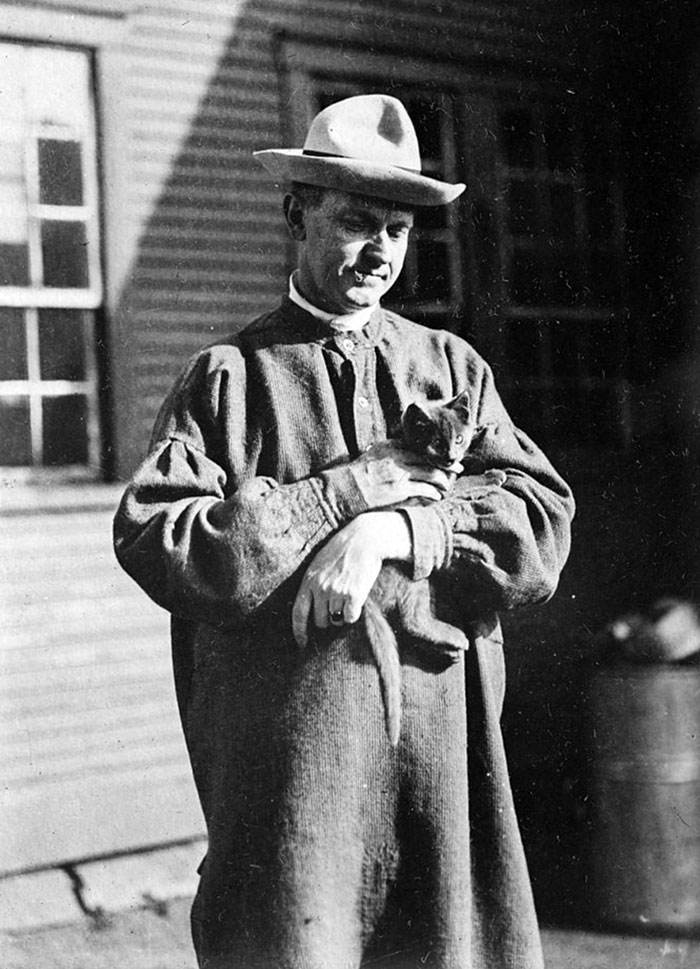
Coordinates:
209 253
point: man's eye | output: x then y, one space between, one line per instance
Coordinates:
398 231
355 226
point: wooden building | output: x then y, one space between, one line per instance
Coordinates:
136 227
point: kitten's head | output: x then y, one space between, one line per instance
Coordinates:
441 432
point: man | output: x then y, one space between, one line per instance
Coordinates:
261 519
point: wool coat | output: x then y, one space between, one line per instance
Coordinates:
329 848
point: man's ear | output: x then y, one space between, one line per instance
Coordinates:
295 217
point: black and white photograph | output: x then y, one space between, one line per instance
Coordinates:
350 484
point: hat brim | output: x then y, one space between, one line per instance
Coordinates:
361 177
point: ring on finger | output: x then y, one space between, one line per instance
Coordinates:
335 616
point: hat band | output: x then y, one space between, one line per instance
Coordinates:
329 154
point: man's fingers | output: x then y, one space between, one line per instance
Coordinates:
496 476
300 616
421 489
434 476
320 612
489 479
352 610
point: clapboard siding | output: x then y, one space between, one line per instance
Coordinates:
86 699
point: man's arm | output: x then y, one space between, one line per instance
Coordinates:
214 556
342 574
503 538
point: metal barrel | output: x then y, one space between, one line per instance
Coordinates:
644 734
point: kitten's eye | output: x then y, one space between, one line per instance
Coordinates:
459 439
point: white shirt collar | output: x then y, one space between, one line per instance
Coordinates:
344 322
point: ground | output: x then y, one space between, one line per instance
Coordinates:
158 938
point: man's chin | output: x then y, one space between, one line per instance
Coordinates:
362 297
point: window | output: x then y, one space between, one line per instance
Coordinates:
548 252
50 283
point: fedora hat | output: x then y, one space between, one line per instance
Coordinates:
365 144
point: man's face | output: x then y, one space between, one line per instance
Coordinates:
353 249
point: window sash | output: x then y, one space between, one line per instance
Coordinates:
32 398
36 293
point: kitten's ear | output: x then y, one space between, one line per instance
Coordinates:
462 406
415 416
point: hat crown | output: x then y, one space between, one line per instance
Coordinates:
367 127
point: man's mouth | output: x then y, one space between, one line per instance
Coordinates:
361 277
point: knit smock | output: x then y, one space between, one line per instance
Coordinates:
329 848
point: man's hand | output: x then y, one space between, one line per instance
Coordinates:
386 474
342 573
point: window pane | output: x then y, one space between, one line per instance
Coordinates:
522 208
426 114
603 279
60 173
569 414
431 216
15 435
527 277
565 281
61 345
563 213
14 231
598 149
524 339
64 252
12 66
13 345
13 193
559 141
65 100
517 133
601 213
433 274
65 430
566 348
605 349
14 264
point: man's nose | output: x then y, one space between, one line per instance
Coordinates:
379 247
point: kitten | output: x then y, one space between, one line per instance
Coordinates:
441 433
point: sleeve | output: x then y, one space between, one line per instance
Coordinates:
505 545
199 544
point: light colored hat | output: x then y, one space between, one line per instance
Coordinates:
365 144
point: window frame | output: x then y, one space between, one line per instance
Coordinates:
87 300
36 294
99 27
496 314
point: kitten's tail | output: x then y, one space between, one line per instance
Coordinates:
385 650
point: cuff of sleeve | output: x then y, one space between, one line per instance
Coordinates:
432 540
342 494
